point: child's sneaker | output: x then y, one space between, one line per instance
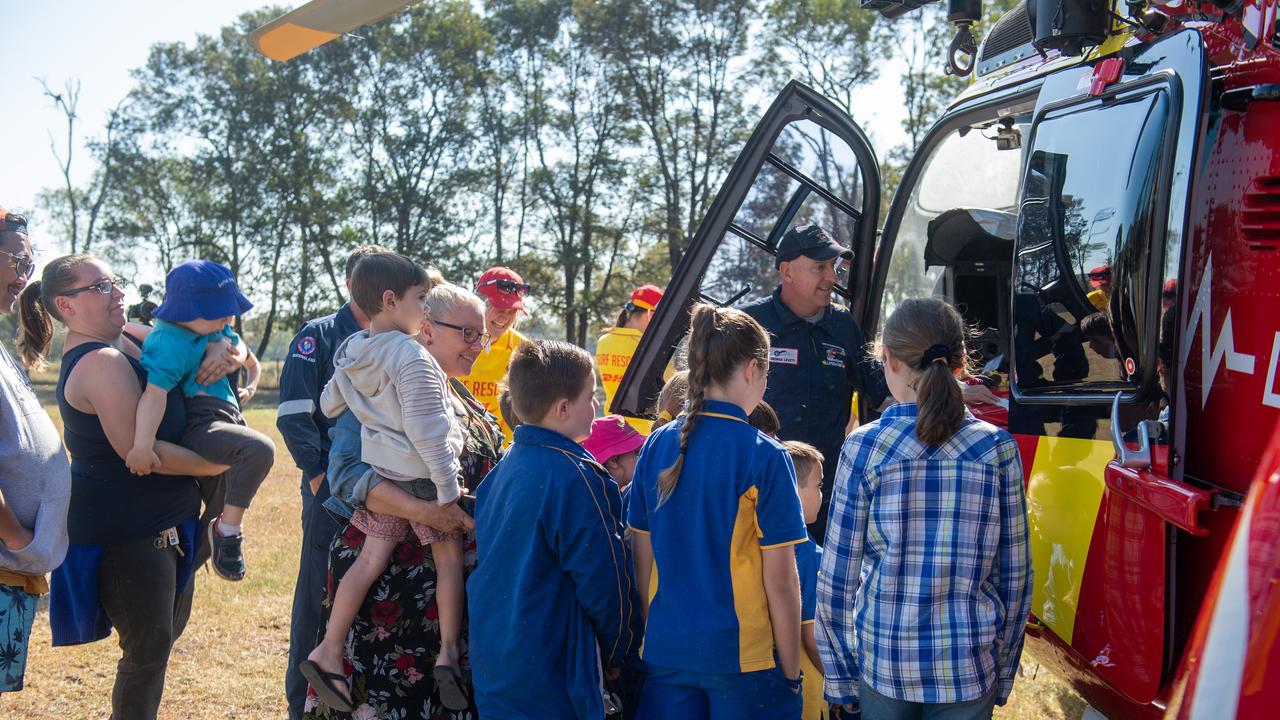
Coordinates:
225 553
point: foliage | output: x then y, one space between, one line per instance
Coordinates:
579 141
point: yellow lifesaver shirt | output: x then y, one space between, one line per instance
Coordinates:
485 380
613 355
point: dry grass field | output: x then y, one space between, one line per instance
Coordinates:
230 661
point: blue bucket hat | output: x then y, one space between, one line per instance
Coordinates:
200 290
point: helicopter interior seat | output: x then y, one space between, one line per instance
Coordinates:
974 247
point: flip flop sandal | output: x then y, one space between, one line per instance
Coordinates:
329 686
450 686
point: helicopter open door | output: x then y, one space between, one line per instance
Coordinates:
806 162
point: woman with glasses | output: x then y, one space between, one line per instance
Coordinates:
133 539
35 480
395 640
503 291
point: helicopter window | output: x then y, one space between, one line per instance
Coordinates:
1082 245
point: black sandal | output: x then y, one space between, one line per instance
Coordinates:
329 686
449 684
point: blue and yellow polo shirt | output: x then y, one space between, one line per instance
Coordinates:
736 497
808 560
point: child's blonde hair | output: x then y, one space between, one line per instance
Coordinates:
672 398
806 458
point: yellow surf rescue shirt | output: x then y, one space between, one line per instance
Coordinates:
485 380
613 355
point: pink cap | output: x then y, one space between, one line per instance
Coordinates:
611 436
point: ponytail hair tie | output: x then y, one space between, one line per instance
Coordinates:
935 353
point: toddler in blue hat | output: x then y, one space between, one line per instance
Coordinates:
201 299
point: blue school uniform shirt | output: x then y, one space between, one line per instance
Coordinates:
808 559
736 497
172 354
553 594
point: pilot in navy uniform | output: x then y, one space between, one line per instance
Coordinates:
818 355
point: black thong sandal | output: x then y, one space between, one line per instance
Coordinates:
329 686
449 684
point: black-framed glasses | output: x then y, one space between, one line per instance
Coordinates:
507 287
13 223
102 286
23 264
470 336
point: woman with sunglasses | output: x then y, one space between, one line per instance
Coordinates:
35 480
503 291
133 539
396 639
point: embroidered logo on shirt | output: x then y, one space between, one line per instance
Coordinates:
307 345
785 356
833 356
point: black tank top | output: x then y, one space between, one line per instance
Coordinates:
109 504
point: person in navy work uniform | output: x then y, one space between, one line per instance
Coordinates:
305 429
818 356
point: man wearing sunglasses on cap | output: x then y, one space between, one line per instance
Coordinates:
503 291
817 357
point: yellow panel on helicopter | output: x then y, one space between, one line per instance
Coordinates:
1063 496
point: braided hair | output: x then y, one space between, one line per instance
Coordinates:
720 341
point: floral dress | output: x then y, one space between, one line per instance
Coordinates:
395 638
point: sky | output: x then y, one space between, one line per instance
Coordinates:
99 43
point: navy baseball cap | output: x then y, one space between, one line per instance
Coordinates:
811 241
200 290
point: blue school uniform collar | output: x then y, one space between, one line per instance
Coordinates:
540 436
717 407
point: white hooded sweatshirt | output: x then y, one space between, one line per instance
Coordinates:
401 398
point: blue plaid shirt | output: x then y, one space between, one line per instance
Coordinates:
926 573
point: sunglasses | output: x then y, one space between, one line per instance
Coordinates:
22 263
507 287
102 286
13 223
470 336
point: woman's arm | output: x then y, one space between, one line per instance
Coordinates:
390 499
642 557
221 358
782 590
109 389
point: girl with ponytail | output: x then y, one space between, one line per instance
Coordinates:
714 518
925 582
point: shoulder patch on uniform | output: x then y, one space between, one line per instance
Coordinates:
306 345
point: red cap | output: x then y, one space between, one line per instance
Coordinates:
1100 276
612 436
646 297
502 287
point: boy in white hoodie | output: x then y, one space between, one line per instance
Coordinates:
408 435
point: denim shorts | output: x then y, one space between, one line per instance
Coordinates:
17 613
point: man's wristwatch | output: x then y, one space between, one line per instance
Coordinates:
794 685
